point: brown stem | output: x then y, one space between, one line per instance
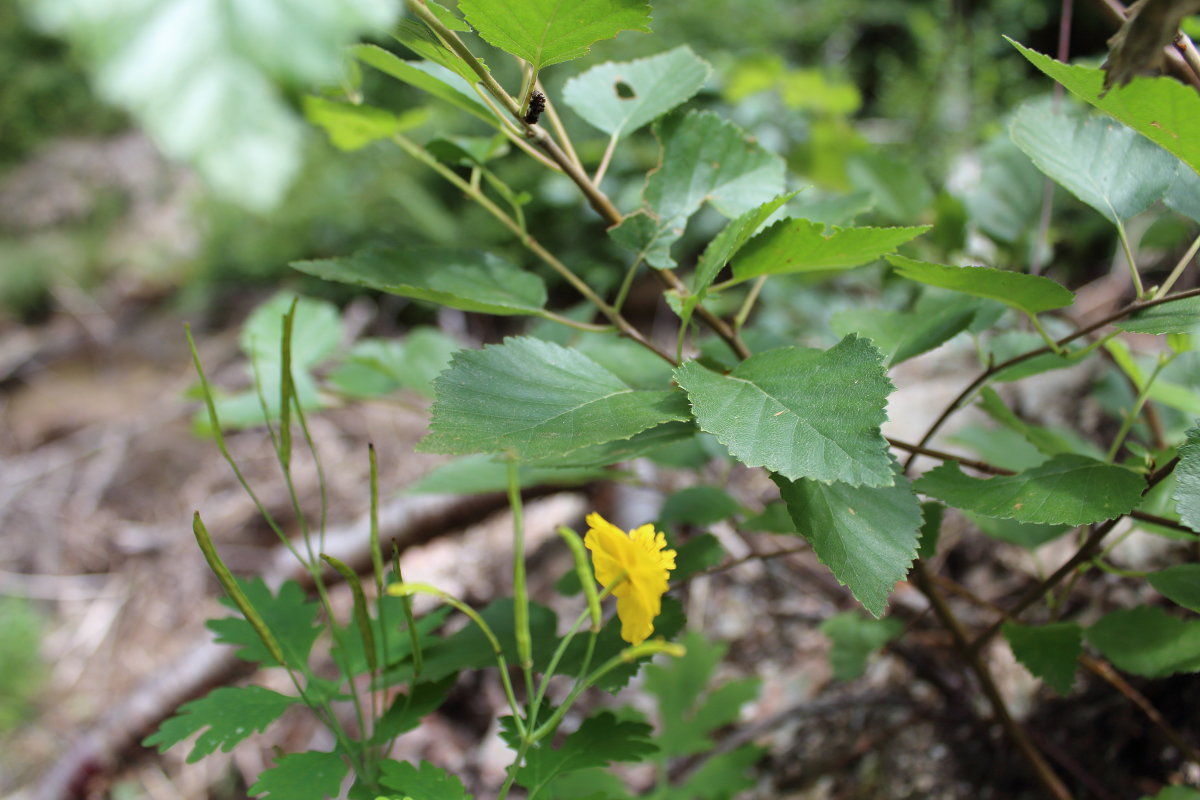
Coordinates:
1052 783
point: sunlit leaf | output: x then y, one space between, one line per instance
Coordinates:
801 412
350 127
619 98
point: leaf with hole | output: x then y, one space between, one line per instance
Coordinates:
619 98
1066 490
801 412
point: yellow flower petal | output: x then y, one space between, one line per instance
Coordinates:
641 561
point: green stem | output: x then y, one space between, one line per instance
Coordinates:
520 590
1049 340
1142 396
1128 250
1178 270
744 312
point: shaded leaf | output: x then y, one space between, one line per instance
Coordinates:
798 245
600 740
302 776
1184 194
699 506
1103 163
429 77
901 335
482 473
720 777
534 399
377 367
1147 641
1177 316
425 782
1187 476
1029 535
619 98
1162 109
1180 584
545 32
866 536
290 615
406 710
1005 202
1047 440
1050 652
470 280
223 717
853 638
801 412
642 235
1066 490
696 555
931 528
1028 293
900 191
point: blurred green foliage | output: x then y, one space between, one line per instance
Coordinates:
21 670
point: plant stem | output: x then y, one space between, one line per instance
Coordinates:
743 313
1133 271
609 149
1014 730
1139 401
520 590
1178 270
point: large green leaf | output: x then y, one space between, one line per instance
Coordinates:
1066 490
704 159
801 412
302 776
471 280
1180 583
1051 652
224 716
545 32
868 537
800 245
1178 316
1029 293
1187 476
726 244
1161 109
530 399
1103 163
1148 641
201 78
619 98
427 76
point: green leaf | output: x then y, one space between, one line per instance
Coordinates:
426 782
619 98
801 412
417 36
696 555
899 190
1046 440
377 367
482 473
545 32
867 537
1177 316
1187 476
1029 293
610 644
773 519
698 505
1180 584
429 77
1148 642
469 280
704 159
534 399
1161 109
316 334
853 638
647 442
350 127
600 740
1048 651
1005 202
223 718
1175 793
1029 535
901 335
289 614
202 81
721 777
1103 163
302 776
406 711
931 528
731 239
689 707
1184 194
1066 490
798 245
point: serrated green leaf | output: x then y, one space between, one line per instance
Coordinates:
1147 641
649 241
931 528
1187 476
799 245
1029 293
224 717
203 81
426 782
619 98
1029 535
393 643
600 740
417 37
646 443
1066 490
801 412
1050 652
429 77
1161 109
1180 584
853 638
1103 163
545 32
289 614
721 777
535 399
901 335
1177 316
704 158
350 127
469 280
302 776
866 536
731 239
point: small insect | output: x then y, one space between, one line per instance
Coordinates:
537 104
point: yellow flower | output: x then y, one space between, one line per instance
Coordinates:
641 558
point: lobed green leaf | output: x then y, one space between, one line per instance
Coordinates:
223 717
